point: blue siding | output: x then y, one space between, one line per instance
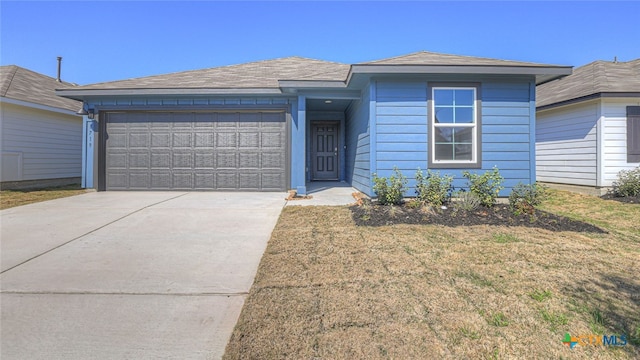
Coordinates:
357 138
506 142
401 124
133 102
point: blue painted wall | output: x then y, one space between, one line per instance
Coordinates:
357 139
401 125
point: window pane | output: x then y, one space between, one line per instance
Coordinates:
464 115
464 97
444 134
462 152
444 115
443 97
464 135
444 152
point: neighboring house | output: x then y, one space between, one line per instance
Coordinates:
278 124
40 133
588 126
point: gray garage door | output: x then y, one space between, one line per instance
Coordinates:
196 151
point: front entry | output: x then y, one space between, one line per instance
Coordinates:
324 151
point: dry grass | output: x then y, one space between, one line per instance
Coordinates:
13 198
328 289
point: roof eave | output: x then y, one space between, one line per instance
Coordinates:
293 86
29 104
587 98
542 73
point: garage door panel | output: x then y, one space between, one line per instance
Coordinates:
161 160
272 181
227 180
204 140
204 161
201 151
139 160
225 140
182 160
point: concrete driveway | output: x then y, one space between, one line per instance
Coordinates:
130 275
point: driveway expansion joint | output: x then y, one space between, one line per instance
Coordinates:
228 294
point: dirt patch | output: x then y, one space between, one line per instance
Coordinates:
379 215
293 195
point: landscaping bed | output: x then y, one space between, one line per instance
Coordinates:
499 215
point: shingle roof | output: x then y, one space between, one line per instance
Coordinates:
256 75
595 78
25 85
431 58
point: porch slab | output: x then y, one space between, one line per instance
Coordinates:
326 193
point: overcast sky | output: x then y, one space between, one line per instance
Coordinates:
112 40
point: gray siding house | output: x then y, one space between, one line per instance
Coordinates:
588 126
279 124
40 133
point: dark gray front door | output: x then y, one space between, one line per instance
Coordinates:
324 142
234 150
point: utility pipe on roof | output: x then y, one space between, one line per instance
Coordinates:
59 68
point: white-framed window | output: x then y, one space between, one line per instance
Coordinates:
454 126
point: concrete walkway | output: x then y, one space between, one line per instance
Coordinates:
122 275
330 193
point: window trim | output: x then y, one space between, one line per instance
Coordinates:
476 160
633 123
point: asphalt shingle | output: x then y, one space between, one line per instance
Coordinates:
594 78
258 75
25 85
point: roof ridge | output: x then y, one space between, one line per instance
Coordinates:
400 56
455 55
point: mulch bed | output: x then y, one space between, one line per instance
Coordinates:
381 215
628 199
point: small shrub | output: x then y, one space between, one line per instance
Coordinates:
628 183
433 189
466 201
390 191
524 198
486 186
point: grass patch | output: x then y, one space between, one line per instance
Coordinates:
498 319
540 295
504 238
554 319
327 288
13 198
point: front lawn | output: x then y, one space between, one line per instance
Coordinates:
328 288
13 198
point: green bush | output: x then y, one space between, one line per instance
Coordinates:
627 183
390 191
524 198
433 189
486 186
